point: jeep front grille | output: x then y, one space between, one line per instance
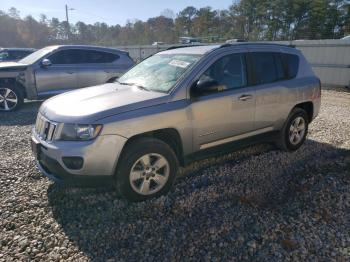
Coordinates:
45 128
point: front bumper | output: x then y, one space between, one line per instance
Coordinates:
100 157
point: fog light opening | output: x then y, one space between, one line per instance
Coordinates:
73 162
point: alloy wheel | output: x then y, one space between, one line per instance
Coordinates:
8 99
149 174
297 130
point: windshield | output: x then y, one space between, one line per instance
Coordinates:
159 72
33 57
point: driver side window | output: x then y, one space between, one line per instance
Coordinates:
66 57
229 72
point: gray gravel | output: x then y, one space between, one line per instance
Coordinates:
254 204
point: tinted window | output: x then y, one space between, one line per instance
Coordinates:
65 57
229 72
18 54
292 62
268 67
79 56
99 57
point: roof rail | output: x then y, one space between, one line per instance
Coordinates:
256 43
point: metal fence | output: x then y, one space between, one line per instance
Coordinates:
330 59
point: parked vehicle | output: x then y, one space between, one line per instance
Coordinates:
14 54
232 41
176 106
158 43
346 38
189 40
57 69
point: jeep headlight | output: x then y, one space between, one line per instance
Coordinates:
77 132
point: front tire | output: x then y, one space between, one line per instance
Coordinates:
11 98
294 131
147 169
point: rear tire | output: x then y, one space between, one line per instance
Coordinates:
146 169
11 98
294 131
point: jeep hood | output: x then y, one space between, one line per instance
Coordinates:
88 105
9 66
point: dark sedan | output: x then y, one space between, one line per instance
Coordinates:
14 54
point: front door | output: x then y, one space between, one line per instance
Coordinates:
223 113
58 77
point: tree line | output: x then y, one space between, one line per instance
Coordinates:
245 19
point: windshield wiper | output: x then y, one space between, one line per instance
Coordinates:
133 84
141 87
122 83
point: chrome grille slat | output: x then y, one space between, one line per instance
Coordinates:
51 131
45 128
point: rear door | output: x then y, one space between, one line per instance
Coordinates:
60 76
272 93
96 67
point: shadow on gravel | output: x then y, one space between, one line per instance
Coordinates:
26 115
229 209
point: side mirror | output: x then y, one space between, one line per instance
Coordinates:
207 86
46 63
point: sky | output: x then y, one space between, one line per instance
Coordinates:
108 11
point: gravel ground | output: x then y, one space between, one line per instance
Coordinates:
254 204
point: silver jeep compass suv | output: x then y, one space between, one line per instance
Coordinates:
53 70
176 106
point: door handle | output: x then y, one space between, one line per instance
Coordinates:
245 97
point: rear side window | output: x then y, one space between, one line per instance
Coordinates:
292 63
97 57
268 67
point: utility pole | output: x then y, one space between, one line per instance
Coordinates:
67 20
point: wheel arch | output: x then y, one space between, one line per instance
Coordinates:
170 136
308 107
13 82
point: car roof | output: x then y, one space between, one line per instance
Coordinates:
203 49
17 49
88 47
196 50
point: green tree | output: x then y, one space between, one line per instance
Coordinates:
248 19
184 20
